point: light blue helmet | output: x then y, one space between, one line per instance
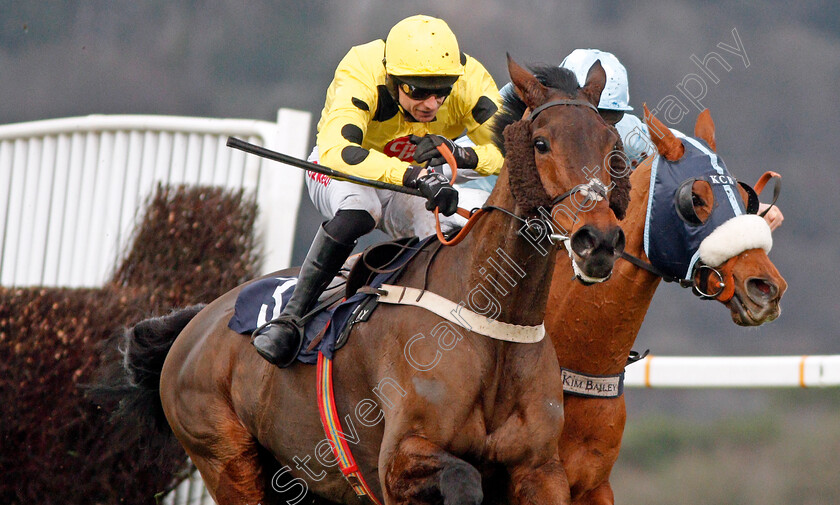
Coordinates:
616 94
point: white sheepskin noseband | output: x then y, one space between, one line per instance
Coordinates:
739 234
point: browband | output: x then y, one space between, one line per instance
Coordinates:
560 102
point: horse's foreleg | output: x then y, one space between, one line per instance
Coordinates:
235 481
601 495
544 485
227 456
421 472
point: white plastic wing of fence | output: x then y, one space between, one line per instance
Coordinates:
71 189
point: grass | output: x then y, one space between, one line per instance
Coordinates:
787 453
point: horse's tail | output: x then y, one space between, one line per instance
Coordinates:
128 380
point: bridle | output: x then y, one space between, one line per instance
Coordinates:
698 287
595 189
713 285
535 112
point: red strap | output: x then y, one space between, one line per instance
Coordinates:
329 415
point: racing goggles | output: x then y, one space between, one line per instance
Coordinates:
422 93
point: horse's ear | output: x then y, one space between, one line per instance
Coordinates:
529 89
705 128
596 79
666 142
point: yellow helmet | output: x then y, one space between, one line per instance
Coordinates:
422 46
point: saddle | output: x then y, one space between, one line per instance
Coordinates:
377 259
339 308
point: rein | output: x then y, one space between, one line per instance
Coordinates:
644 265
699 289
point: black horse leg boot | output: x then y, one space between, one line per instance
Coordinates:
280 341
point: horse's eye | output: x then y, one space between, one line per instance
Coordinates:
541 145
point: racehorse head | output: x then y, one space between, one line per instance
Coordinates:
555 145
706 225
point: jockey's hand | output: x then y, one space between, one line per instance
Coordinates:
774 216
412 176
434 187
427 150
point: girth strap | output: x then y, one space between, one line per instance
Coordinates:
459 314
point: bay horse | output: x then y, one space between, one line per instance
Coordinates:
479 422
593 329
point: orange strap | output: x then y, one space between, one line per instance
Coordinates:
472 217
450 159
764 179
725 285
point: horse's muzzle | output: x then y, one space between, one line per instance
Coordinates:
757 302
597 250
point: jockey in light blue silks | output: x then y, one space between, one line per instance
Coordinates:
613 107
615 101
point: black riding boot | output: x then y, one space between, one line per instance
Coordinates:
280 342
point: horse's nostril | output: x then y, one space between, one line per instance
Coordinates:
584 242
618 241
761 289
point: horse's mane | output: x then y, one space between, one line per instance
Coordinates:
513 108
620 193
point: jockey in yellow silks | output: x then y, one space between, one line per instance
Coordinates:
387 109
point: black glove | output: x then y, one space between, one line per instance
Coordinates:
438 193
411 176
426 150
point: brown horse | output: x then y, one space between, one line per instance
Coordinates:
593 329
434 421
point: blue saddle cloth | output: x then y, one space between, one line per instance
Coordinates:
263 300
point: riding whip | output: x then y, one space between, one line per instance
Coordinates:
314 167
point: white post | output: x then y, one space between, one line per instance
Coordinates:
279 190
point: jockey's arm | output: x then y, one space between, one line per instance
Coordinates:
340 143
479 119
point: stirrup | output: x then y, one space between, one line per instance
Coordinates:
285 320
282 319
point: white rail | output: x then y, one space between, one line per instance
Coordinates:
734 372
70 188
